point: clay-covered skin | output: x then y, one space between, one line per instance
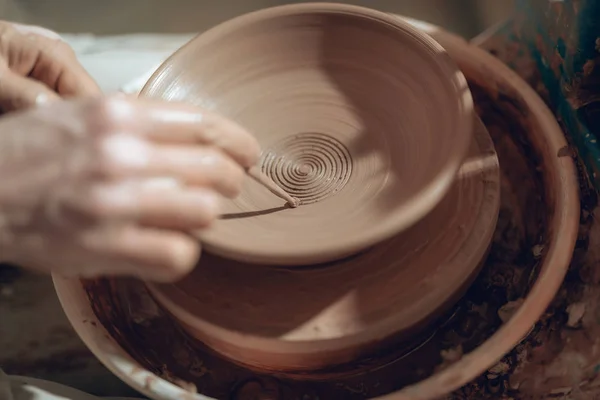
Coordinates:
361 118
343 309
112 186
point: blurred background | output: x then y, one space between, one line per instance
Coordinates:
110 17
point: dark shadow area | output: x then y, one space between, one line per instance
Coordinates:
8 273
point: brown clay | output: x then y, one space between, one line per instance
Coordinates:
361 117
317 317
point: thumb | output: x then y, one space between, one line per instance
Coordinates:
18 92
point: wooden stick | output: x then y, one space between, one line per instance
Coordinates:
256 174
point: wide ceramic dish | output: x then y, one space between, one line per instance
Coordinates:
360 116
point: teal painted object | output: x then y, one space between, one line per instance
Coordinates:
562 38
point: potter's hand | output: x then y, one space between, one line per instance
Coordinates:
37 66
108 187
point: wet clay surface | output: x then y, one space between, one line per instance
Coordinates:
328 314
341 131
152 338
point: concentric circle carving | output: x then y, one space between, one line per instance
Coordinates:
309 166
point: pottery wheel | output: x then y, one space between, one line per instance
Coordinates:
285 318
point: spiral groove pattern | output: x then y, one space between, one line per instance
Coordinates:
309 166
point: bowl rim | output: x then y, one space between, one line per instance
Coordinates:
564 226
417 204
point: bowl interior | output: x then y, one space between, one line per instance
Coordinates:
362 118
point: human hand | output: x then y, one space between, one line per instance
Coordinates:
36 65
111 186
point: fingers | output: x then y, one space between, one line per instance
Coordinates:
58 67
41 55
192 165
150 254
186 124
161 206
120 250
17 92
74 81
182 210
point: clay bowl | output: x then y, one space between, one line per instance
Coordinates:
560 189
362 117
